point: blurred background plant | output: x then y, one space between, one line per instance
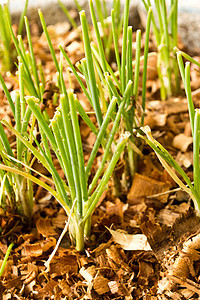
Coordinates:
165 30
102 8
8 54
168 162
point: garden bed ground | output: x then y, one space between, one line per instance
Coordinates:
167 267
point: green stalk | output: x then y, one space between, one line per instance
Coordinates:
89 61
10 101
116 94
160 75
188 57
63 139
155 29
21 89
174 31
144 77
5 141
48 40
100 45
21 21
73 154
21 46
196 144
137 64
5 39
78 229
42 76
160 46
3 30
129 65
189 96
181 65
116 6
6 258
79 147
95 52
32 102
4 144
61 81
100 135
108 146
64 155
67 13
75 73
78 5
101 19
33 62
21 111
85 117
169 163
167 49
100 80
41 158
60 185
158 5
115 39
82 66
124 44
93 200
18 123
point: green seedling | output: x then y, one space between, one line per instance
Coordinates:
166 37
193 189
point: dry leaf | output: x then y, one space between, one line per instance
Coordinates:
32 250
130 241
143 186
45 227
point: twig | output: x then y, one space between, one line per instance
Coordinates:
47 263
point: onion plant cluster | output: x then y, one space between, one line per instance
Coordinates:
168 162
112 97
64 138
78 194
17 189
17 160
165 30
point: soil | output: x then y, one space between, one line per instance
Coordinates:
144 244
